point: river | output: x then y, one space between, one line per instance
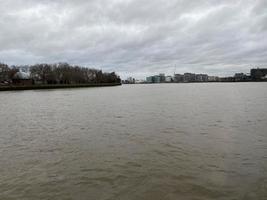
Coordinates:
135 142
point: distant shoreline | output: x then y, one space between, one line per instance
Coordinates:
195 82
56 86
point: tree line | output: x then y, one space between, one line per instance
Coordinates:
63 73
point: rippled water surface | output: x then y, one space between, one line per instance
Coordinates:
158 142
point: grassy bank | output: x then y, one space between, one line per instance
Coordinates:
57 86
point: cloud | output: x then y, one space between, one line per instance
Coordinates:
135 37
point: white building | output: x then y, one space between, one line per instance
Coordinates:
168 79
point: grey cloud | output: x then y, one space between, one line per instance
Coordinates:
136 37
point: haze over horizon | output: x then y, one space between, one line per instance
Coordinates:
137 38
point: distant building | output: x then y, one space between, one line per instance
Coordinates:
258 74
201 78
139 81
178 78
4 73
162 78
241 77
149 79
213 78
168 79
25 69
189 77
129 80
22 78
157 79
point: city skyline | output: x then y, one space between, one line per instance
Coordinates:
255 74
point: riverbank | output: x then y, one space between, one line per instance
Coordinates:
56 86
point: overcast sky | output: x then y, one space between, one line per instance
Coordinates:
137 37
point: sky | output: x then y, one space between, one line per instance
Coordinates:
137 37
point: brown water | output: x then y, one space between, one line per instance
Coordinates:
158 142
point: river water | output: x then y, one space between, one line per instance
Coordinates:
136 142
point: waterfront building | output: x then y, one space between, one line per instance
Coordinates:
213 78
157 79
178 78
162 78
241 77
201 78
149 79
258 74
129 80
139 81
168 79
189 77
